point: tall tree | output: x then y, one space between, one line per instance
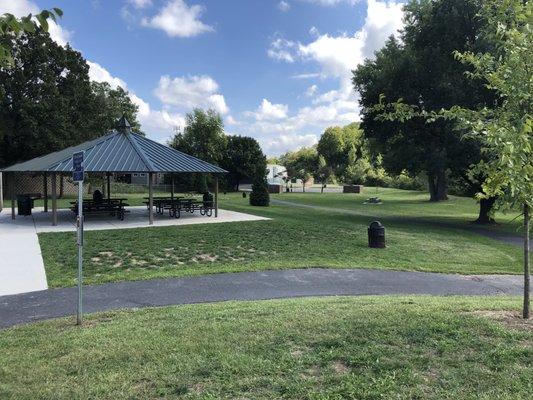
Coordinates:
45 100
203 136
11 25
243 157
110 104
421 70
300 164
335 145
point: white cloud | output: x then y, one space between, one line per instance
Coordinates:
268 111
159 124
232 121
20 8
282 50
335 56
284 6
100 74
311 90
140 3
306 76
190 92
178 19
282 143
331 2
314 31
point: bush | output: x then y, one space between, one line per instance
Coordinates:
405 181
260 195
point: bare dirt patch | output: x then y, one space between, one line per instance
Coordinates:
340 367
510 319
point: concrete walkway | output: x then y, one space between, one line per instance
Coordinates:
21 262
53 303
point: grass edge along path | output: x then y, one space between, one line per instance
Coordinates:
406 347
293 238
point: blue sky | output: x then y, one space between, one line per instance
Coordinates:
276 70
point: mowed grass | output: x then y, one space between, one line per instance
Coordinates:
409 206
295 237
315 348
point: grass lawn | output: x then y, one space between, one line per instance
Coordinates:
314 348
295 238
409 205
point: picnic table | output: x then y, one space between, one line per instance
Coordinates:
175 205
113 206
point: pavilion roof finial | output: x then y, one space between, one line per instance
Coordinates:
123 125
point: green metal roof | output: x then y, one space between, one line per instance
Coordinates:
119 151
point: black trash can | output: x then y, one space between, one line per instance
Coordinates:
24 205
376 235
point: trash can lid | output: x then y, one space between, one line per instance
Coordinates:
375 224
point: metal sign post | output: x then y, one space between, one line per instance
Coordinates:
77 176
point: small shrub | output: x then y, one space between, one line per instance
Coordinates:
259 195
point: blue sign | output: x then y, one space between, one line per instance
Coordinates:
77 167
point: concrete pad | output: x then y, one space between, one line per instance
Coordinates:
137 217
21 262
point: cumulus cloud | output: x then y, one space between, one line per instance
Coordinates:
98 73
284 6
190 92
282 143
269 111
310 91
177 19
21 8
335 56
330 2
282 50
139 4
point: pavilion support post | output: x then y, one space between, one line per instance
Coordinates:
12 187
54 199
1 192
45 192
151 198
108 185
216 197
171 186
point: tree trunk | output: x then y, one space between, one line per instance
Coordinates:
442 186
485 207
322 188
432 187
438 187
525 311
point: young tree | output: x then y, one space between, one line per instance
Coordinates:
506 130
323 173
259 195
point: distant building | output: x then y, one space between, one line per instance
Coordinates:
276 173
140 178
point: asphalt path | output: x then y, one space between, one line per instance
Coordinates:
52 303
